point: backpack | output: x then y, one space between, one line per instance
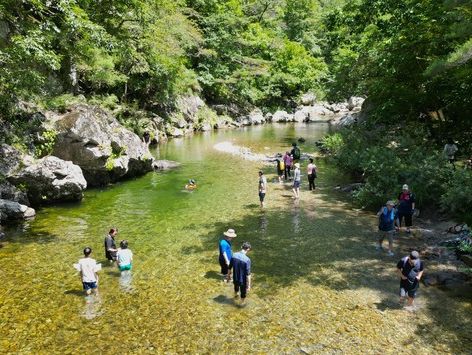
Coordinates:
296 153
386 218
281 165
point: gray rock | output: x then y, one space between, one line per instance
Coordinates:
11 211
206 127
12 193
347 120
300 116
355 103
189 106
51 179
106 151
308 99
162 165
174 132
282 116
11 160
256 117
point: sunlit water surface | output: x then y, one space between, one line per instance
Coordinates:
319 285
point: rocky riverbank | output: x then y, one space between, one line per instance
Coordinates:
87 146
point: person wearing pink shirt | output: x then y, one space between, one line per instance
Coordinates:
288 160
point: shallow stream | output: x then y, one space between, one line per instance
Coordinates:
319 286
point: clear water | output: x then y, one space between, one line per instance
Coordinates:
319 285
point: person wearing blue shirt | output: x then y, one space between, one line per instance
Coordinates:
241 265
388 224
226 253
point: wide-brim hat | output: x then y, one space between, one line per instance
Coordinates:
297 165
230 233
390 202
405 187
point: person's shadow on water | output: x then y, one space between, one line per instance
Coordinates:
230 301
79 293
213 275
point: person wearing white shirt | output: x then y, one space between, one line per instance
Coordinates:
124 256
88 268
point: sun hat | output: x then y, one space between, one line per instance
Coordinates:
230 233
390 202
405 187
297 165
414 255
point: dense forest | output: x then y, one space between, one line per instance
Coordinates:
412 59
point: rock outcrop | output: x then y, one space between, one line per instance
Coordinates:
37 181
50 179
355 103
105 150
11 211
281 116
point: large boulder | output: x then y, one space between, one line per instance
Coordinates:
105 150
51 179
11 211
308 99
10 192
355 103
256 117
346 120
282 116
174 132
189 106
36 181
300 116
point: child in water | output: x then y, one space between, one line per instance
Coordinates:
124 256
191 185
88 268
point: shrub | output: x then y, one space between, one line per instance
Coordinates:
333 143
457 198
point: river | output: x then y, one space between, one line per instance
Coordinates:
319 284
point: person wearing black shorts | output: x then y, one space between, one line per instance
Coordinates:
410 269
406 207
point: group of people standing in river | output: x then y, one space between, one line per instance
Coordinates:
88 267
289 162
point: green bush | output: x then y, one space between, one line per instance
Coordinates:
333 143
457 198
385 159
62 102
46 143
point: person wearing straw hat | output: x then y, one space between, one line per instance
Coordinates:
225 252
388 223
297 177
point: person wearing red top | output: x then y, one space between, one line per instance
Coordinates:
406 207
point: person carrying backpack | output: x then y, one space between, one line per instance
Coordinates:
295 153
410 268
388 224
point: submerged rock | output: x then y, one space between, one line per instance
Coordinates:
162 165
105 150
